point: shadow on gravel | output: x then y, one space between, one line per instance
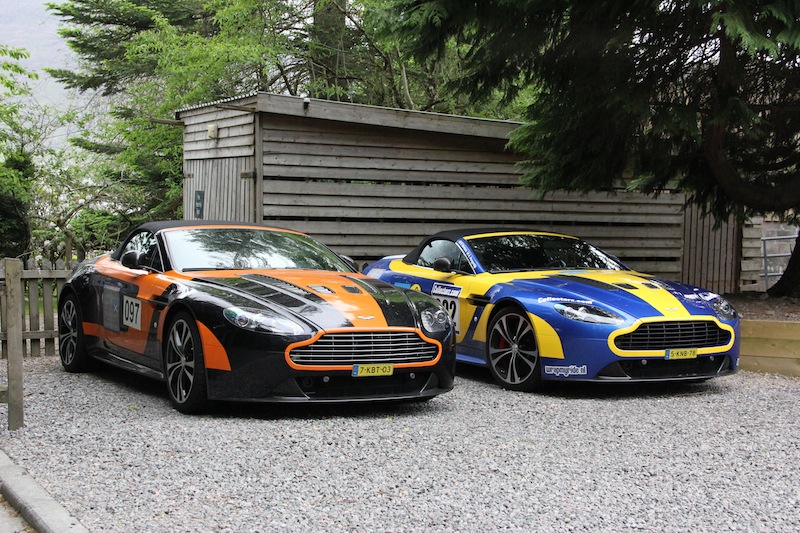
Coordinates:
397 409
622 391
367 410
604 391
273 411
129 380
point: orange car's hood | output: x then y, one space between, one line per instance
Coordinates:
322 298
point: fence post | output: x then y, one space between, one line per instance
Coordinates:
14 340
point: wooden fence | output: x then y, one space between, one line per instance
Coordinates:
27 322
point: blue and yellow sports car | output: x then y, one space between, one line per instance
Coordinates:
536 306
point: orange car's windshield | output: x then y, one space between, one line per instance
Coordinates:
247 248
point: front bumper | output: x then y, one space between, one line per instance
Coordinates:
665 370
329 387
265 375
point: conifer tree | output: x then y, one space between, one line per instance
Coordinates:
702 96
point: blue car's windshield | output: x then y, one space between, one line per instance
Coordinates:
247 248
523 251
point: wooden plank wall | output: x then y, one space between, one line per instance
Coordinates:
751 255
228 188
220 162
720 257
232 133
705 261
372 191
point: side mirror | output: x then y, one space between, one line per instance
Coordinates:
350 262
443 264
132 259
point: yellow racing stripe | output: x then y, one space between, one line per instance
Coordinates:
641 287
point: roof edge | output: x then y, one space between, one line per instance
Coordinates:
299 106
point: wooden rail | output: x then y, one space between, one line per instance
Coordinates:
769 346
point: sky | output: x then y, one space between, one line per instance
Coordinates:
27 24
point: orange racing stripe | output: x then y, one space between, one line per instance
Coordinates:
216 358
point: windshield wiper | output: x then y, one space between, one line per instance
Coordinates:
198 269
507 270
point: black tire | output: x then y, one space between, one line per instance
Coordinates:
184 366
71 342
512 351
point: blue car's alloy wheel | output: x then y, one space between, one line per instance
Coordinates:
512 352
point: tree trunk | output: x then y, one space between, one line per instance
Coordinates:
789 284
328 48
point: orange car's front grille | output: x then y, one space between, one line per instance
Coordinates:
364 348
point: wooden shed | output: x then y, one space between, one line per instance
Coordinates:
372 181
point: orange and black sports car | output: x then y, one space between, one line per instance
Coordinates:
228 311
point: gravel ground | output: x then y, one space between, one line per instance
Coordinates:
717 456
760 306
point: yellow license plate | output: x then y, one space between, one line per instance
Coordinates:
363 371
685 353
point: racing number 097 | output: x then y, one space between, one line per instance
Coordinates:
132 312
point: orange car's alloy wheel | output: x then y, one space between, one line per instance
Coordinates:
185 370
71 344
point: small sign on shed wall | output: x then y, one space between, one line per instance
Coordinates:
199 204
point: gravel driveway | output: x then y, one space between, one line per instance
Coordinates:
722 455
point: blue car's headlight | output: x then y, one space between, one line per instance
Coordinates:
261 320
588 313
723 308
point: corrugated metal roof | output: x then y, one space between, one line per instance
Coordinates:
217 102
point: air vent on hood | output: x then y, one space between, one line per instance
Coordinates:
277 283
321 289
352 289
587 281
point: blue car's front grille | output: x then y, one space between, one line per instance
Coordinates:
364 348
674 335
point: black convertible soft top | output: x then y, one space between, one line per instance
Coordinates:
158 225
454 235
